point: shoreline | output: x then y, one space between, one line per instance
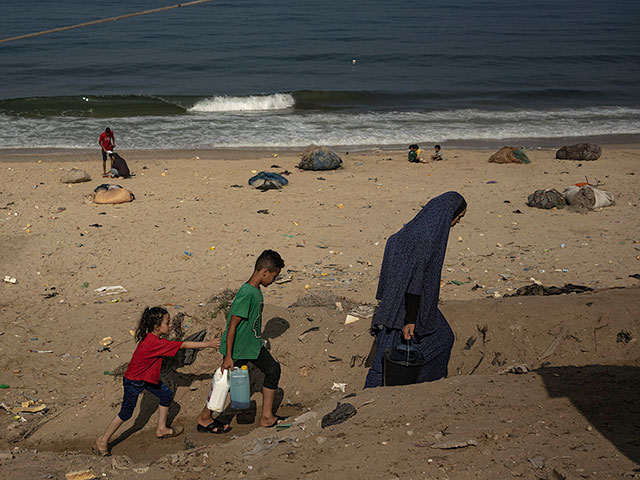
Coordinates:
237 153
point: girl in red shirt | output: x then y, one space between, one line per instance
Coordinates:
143 373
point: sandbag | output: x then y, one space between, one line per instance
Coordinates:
546 199
319 158
579 151
268 181
587 197
112 195
509 155
75 175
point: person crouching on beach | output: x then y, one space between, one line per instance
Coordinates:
143 373
242 340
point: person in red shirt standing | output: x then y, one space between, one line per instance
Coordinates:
143 373
107 143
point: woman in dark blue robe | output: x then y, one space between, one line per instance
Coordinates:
409 289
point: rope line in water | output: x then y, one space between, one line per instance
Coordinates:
95 22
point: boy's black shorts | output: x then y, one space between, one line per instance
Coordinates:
267 365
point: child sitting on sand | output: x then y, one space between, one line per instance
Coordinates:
144 373
437 156
414 154
242 340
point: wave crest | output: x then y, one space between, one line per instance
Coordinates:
276 101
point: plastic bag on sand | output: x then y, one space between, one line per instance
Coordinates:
218 391
588 197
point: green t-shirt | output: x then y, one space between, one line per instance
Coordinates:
247 305
413 156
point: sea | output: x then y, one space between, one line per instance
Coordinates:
341 73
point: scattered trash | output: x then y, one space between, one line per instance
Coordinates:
10 279
41 351
85 284
283 426
3 385
97 225
451 444
457 282
635 275
362 311
340 414
584 197
29 407
491 182
111 290
264 211
517 369
537 462
106 341
470 343
303 335
339 386
350 319
81 475
539 289
624 337
187 253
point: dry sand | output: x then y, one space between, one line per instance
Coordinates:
578 417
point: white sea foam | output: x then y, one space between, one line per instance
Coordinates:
298 129
277 101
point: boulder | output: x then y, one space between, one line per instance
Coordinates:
580 151
319 158
75 175
509 155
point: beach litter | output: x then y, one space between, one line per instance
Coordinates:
111 290
351 319
106 341
451 444
339 386
10 279
340 414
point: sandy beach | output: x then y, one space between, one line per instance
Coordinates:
195 229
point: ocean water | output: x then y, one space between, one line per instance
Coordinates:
342 73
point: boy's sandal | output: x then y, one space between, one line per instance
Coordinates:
277 422
175 431
100 453
216 427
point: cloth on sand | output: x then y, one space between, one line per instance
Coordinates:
546 199
268 181
412 263
509 155
587 197
340 414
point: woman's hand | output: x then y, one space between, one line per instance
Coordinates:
214 342
227 363
407 331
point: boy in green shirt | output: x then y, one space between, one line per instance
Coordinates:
242 340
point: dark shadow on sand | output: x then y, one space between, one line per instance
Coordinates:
149 403
608 396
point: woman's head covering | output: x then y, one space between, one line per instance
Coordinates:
412 263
